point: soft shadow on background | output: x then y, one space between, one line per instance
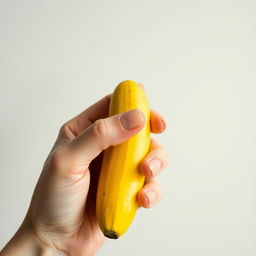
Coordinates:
197 62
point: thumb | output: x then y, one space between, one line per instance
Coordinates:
102 134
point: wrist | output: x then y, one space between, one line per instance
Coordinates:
25 243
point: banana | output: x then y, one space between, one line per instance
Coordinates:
120 178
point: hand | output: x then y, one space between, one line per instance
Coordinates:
61 216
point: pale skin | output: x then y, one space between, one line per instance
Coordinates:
61 218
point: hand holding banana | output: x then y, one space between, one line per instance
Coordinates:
62 214
120 177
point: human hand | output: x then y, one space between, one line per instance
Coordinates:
61 216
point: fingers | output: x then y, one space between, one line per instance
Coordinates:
151 166
155 161
75 126
150 194
97 111
99 136
79 123
157 122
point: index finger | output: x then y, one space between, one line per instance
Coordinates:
97 111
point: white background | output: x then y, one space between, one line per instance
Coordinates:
197 62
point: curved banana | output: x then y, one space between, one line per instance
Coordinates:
120 178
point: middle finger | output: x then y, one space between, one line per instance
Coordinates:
155 161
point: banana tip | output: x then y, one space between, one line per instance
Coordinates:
111 234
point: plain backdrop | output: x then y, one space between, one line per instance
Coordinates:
197 62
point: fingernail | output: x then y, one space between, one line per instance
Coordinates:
154 166
163 124
132 119
151 195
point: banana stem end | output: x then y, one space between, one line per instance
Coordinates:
111 234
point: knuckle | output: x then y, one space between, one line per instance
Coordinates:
158 189
64 129
162 155
56 159
159 194
156 182
155 144
100 128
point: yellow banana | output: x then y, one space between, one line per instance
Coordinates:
120 178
